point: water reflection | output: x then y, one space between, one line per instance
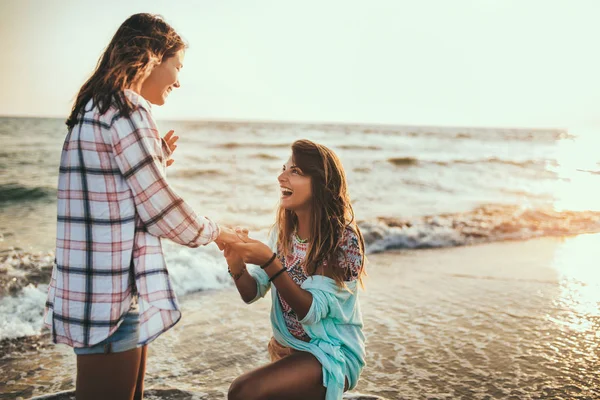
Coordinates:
576 262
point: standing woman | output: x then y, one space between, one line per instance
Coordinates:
110 293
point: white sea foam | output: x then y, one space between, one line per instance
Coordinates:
380 237
190 270
22 315
193 270
484 224
202 268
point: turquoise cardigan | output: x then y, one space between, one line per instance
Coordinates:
334 324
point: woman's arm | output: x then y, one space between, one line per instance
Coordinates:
246 286
299 299
138 152
256 252
244 282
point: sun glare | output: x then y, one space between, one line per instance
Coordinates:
576 261
577 169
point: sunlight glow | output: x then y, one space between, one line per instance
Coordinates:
577 168
576 261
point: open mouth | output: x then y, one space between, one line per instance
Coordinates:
286 192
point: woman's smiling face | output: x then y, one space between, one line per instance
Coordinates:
295 186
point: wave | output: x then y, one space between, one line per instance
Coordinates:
362 169
24 279
23 285
495 160
403 161
589 171
357 147
195 173
410 161
265 156
427 185
21 315
487 223
237 145
24 276
457 133
14 192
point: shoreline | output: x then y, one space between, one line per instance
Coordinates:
500 320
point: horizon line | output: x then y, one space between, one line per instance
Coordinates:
323 123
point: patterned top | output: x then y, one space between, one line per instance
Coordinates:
350 257
114 204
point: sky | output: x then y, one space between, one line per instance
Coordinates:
504 63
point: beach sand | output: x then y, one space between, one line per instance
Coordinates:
510 320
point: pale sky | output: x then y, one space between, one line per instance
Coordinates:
514 63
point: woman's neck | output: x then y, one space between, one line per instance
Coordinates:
136 87
303 228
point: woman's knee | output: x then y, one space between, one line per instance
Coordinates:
242 388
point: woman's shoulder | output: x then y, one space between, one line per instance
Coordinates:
140 111
351 256
136 99
92 111
350 239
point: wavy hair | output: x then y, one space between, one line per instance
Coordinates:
141 42
331 212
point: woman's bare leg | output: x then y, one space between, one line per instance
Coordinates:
108 376
297 376
139 385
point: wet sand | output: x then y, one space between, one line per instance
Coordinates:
512 320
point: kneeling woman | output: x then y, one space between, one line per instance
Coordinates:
317 350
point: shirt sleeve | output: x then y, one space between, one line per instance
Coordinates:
262 282
351 255
329 300
138 151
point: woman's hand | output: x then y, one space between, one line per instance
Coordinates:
170 141
234 261
226 236
251 251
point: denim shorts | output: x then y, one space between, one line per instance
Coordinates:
123 339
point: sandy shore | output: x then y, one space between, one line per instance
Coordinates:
511 320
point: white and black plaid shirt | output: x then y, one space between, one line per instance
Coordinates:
114 204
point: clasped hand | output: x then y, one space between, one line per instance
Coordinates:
240 249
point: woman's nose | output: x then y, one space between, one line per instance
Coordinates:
281 177
177 84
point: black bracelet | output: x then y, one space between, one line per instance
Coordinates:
269 262
271 279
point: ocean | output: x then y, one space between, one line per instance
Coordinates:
413 189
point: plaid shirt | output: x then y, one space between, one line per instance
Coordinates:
114 204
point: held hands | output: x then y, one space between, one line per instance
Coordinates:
234 261
226 236
170 140
251 251
240 249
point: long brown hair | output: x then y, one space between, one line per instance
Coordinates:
140 43
331 212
